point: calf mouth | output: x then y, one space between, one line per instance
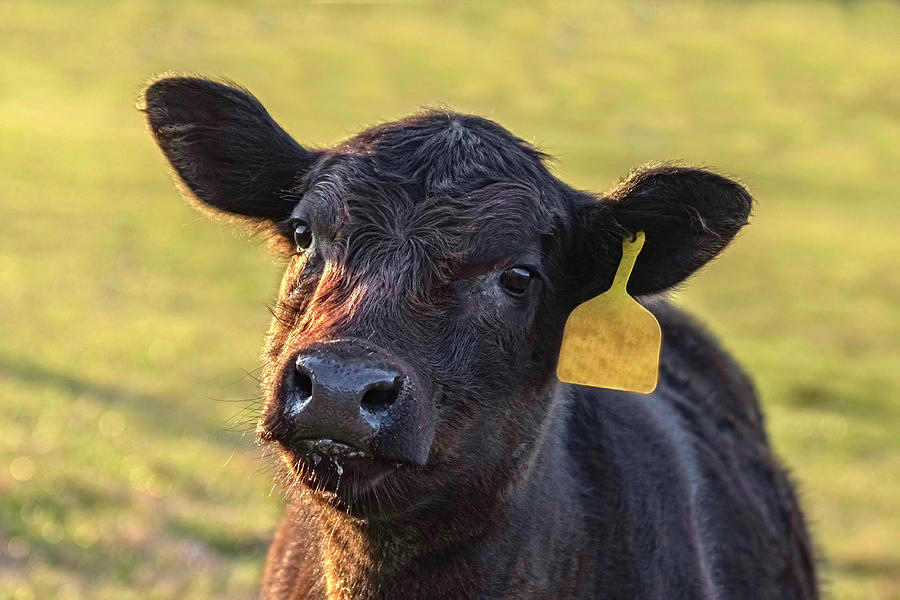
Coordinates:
346 472
331 449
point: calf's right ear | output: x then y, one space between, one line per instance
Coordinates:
224 147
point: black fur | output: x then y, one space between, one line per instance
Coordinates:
531 488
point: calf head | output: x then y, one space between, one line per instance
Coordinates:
431 264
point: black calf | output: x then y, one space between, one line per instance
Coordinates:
429 450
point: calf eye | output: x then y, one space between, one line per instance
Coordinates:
516 280
302 235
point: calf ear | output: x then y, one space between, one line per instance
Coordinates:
687 215
223 145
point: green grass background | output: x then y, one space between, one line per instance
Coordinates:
128 323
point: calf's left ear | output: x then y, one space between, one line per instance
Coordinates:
223 145
688 216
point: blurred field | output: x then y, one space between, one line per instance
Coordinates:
129 325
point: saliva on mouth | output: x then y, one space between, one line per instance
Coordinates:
332 466
325 456
318 449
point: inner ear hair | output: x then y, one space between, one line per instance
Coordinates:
689 215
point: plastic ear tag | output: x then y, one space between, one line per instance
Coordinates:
611 341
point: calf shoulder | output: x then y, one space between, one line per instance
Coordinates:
704 508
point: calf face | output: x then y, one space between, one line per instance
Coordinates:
431 264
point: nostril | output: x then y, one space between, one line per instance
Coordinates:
304 385
298 391
381 395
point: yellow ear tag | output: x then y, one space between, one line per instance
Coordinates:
611 341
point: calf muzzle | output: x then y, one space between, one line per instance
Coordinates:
350 399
